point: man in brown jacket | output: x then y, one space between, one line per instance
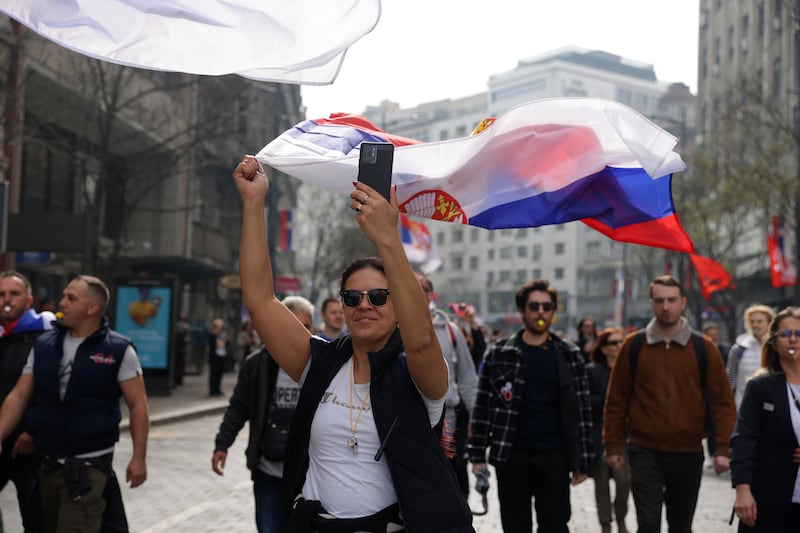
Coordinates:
659 406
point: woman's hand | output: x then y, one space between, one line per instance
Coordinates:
376 217
250 179
745 505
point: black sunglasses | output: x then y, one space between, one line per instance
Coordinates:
376 297
546 306
612 343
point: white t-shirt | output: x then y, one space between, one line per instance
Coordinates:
129 369
348 484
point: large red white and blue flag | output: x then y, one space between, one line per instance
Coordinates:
544 162
302 41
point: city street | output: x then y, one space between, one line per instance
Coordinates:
182 494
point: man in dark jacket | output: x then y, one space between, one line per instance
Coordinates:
533 410
264 396
71 387
19 327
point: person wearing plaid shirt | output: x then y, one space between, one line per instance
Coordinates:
533 413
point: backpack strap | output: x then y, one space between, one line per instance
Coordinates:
702 356
452 333
636 347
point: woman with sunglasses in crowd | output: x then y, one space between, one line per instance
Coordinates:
362 452
603 358
765 445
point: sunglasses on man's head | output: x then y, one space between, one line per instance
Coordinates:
787 333
376 297
546 306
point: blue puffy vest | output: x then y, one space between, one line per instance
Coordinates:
88 418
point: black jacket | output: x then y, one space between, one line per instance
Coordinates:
761 451
427 491
14 350
249 403
598 374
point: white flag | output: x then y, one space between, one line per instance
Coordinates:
298 41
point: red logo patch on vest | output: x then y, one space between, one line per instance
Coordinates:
101 359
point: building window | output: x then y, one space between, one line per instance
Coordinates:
461 131
473 235
558 273
490 254
440 238
505 276
505 252
473 262
731 46
560 227
443 135
776 79
489 278
559 248
458 263
458 235
593 251
536 273
522 233
521 276
537 251
522 251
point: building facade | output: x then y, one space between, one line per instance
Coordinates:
122 172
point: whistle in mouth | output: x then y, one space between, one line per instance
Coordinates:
540 322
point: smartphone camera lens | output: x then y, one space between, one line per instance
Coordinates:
370 153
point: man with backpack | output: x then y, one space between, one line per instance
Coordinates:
660 390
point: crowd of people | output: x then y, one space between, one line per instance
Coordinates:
369 421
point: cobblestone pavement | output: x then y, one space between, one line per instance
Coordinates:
182 494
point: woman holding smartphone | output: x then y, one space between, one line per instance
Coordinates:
363 453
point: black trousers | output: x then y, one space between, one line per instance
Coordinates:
216 367
542 476
671 479
21 472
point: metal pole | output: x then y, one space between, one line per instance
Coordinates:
796 133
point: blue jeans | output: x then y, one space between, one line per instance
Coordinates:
267 492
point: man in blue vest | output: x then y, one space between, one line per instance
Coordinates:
71 387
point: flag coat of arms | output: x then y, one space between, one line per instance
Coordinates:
545 162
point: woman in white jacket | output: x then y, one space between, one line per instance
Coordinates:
744 359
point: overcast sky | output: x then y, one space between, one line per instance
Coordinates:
425 50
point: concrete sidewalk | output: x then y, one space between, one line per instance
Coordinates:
187 401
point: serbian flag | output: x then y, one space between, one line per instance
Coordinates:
285 241
782 270
544 162
418 244
302 41
711 275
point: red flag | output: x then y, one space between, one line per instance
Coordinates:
782 270
712 276
286 243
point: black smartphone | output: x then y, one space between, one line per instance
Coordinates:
375 166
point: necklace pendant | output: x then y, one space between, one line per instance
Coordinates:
353 443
